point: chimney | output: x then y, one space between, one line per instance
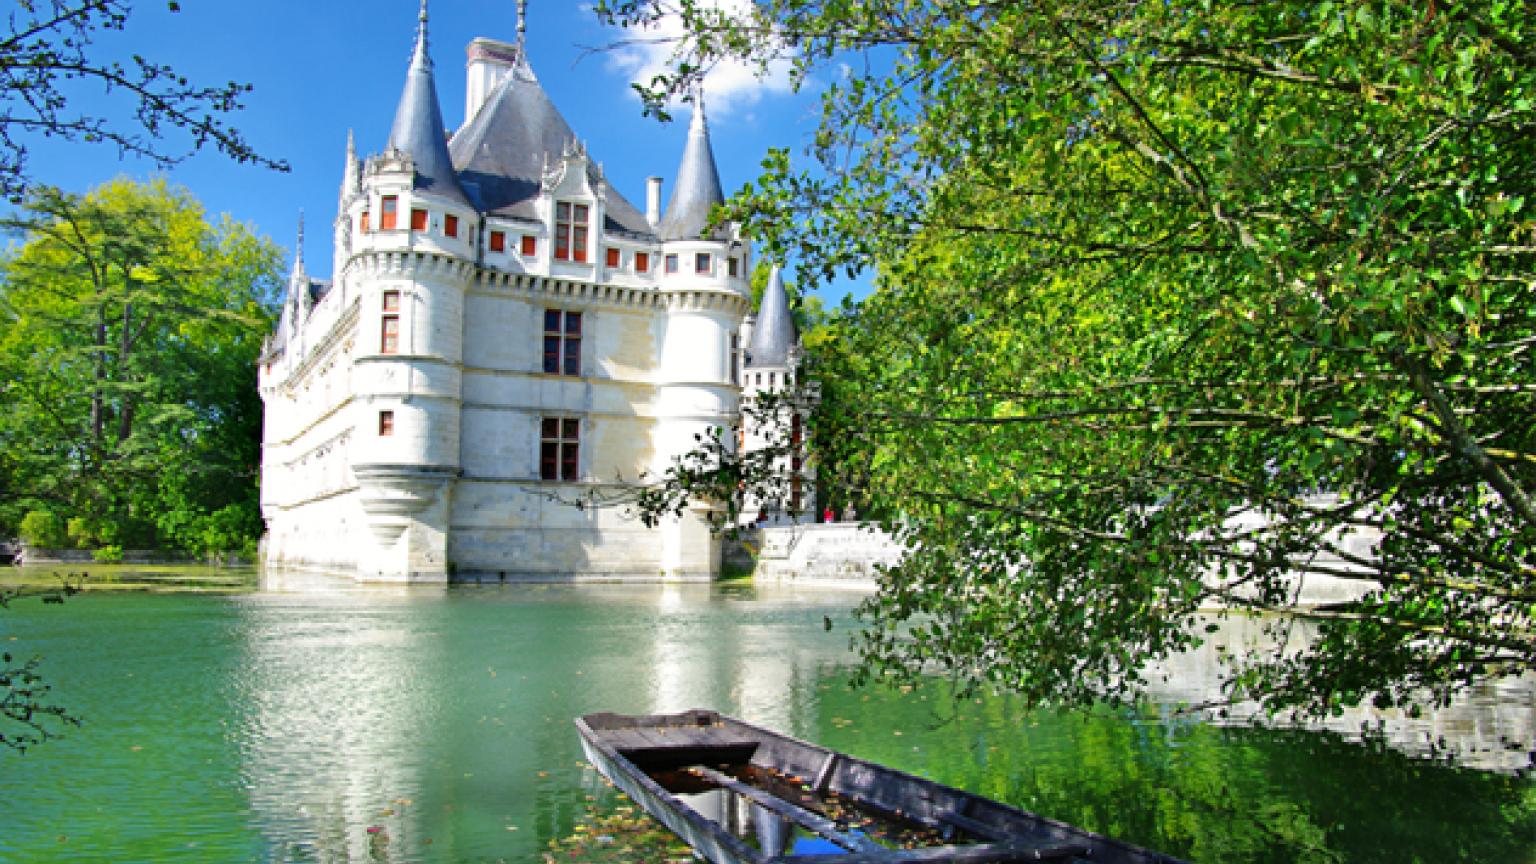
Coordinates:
653 200
490 62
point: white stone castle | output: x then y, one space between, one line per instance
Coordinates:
505 333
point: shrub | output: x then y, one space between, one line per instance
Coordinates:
108 555
41 529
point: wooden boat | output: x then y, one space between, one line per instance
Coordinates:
777 799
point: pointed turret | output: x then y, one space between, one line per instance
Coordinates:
773 334
419 129
697 190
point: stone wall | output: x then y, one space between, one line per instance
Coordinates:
840 554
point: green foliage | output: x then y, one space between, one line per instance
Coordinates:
1174 301
129 331
41 529
107 554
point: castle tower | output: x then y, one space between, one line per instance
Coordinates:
704 287
412 241
772 367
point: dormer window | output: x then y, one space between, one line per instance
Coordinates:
391 209
571 232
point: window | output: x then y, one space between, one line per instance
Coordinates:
701 263
642 262
451 226
362 222
391 209
386 423
562 342
418 220
570 232
735 358
731 266
614 256
389 324
559 448
498 241
530 246
671 263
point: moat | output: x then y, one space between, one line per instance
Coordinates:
337 723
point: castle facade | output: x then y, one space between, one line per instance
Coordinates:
504 333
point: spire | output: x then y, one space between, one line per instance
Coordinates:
419 129
522 29
351 175
773 336
298 250
697 189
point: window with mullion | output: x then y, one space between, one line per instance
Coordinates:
571 231
560 449
562 342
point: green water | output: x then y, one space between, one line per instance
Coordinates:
284 726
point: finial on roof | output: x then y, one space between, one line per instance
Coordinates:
421 55
522 26
298 254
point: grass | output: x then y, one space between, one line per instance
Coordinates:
160 578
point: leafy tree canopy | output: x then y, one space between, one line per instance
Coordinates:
1176 301
129 331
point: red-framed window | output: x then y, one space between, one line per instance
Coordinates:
671 263
571 231
614 257
450 225
642 262
391 210
386 423
562 342
702 262
498 241
362 223
418 219
389 324
560 449
530 246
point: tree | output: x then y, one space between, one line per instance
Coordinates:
46 52
1174 300
129 331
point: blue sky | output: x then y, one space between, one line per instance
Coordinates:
323 67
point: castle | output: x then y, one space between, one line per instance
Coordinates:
505 333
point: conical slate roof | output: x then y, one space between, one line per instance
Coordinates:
697 191
501 154
774 333
419 129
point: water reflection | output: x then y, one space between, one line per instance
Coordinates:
335 702
282 726
1491 726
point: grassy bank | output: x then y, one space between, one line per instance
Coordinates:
164 578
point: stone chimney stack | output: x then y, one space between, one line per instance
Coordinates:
490 62
653 200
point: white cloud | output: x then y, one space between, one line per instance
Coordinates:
728 87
